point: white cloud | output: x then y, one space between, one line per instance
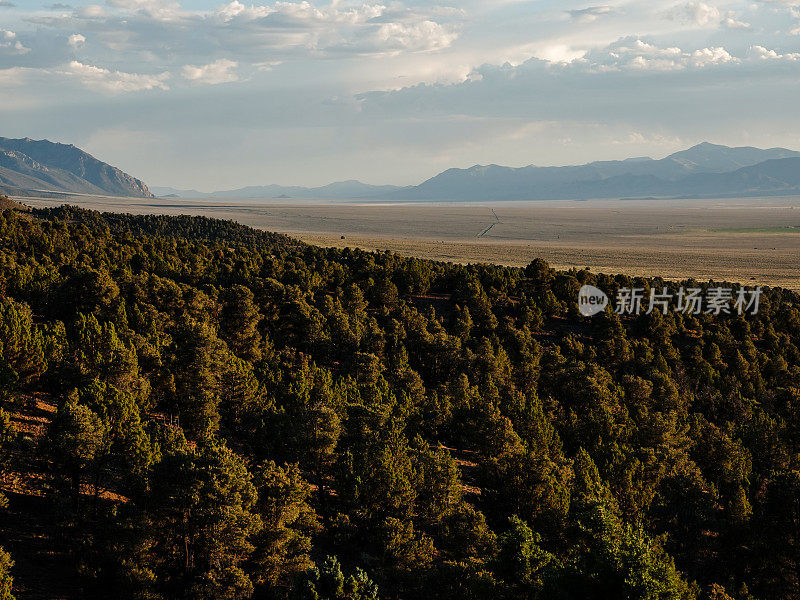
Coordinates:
711 56
703 14
13 77
248 33
589 14
415 37
157 10
640 63
237 9
267 65
114 82
708 15
637 46
639 55
762 53
76 40
795 30
558 53
782 2
219 71
10 44
731 21
91 12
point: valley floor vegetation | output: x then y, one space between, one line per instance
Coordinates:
193 409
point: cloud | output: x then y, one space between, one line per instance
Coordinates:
76 40
258 33
789 3
731 21
91 12
219 71
708 15
635 54
13 77
762 53
589 14
267 65
114 82
712 56
703 14
9 44
58 6
415 37
158 10
7 4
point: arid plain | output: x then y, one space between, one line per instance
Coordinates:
753 240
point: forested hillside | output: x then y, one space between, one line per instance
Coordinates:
192 409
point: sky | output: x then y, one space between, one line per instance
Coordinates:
215 95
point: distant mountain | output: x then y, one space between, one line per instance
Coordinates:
711 158
341 189
171 192
703 170
682 173
40 165
780 176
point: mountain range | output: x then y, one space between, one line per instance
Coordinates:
704 170
340 189
28 166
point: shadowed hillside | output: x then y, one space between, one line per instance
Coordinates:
27 164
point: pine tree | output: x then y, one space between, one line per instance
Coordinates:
202 514
6 580
238 322
282 547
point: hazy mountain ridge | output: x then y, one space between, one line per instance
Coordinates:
27 164
340 189
700 169
704 169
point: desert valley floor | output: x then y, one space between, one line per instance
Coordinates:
754 240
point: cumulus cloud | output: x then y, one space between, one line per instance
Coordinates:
711 56
708 15
219 71
76 40
249 32
636 54
703 14
114 82
9 44
762 53
589 14
415 37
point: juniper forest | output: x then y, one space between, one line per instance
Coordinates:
192 409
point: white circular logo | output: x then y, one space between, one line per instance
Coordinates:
591 300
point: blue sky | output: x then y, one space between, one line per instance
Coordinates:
223 94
